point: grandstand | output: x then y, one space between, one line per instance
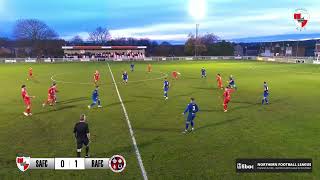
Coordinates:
317 53
105 52
317 50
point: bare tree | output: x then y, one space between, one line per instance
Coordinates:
209 39
76 40
33 29
100 35
193 43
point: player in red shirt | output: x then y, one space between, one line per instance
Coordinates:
219 80
27 100
175 74
30 74
55 90
227 97
96 77
149 68
51 94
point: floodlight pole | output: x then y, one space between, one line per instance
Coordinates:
196 42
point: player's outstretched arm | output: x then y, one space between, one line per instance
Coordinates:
88 135
186 110
75 131
88 132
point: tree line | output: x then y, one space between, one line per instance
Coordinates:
34 38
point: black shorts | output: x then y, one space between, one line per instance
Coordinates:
81 142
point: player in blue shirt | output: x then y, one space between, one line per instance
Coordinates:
166 86
265 93
192 109
203 73
95 98
125 77
232 83
132 67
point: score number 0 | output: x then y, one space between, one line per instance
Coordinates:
69 163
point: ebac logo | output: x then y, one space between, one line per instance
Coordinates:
23 163
244 166
117 163
301 18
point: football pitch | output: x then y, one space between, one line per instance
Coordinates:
286 128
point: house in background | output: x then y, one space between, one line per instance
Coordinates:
266 52
238 50
251 50
5 52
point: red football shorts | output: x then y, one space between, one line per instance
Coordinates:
27 102
226 101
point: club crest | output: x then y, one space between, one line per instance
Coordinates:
301 18
23 163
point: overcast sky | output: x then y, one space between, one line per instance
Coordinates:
162 19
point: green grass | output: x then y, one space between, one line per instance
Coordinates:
287 128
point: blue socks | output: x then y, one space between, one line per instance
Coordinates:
187 125
265 100
95 103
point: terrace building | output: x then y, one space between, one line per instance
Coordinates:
105 52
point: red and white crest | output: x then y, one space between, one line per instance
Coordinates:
301 18
23 163
117 163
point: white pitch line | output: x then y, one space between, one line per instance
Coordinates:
143 171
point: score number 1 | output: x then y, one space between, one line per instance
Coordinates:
69 163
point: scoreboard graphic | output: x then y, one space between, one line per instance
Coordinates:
116 163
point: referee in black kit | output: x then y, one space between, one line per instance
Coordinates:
82 135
